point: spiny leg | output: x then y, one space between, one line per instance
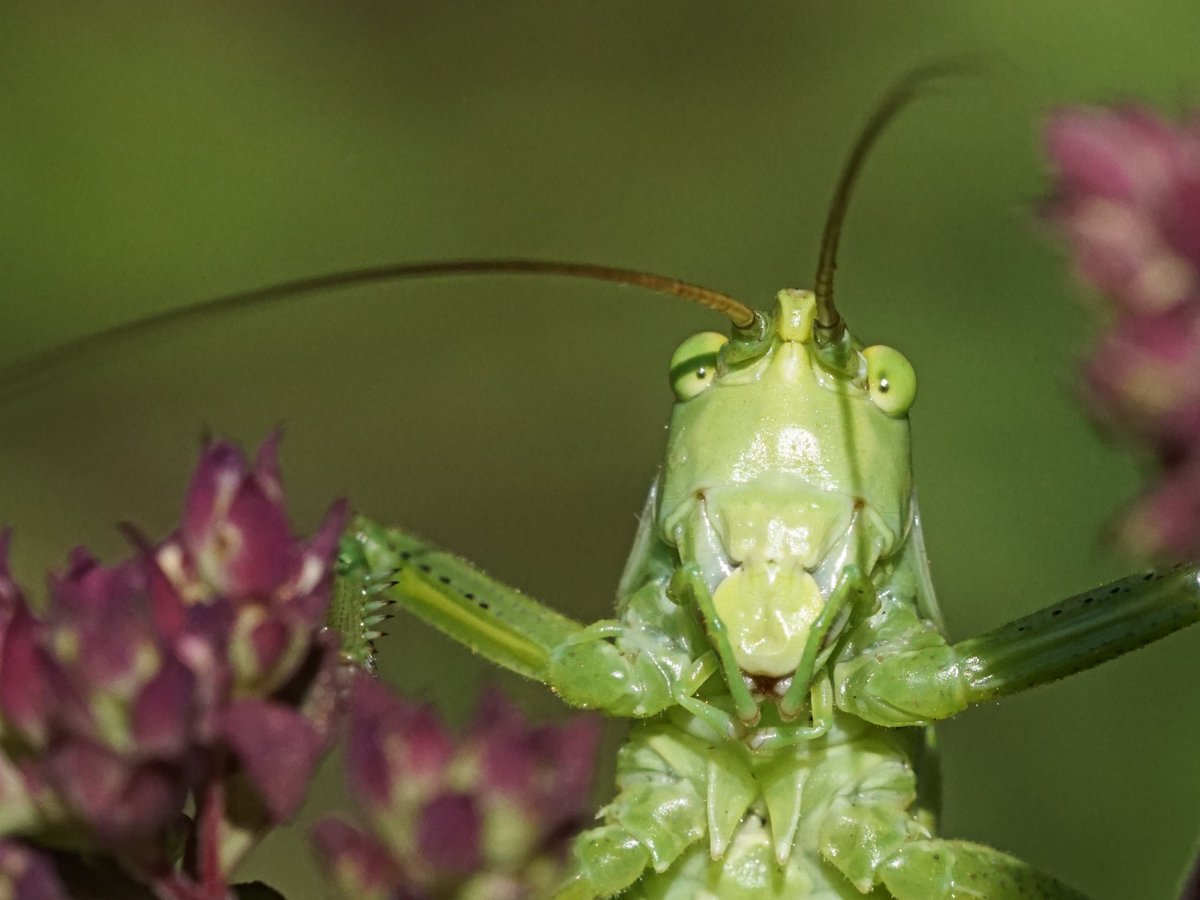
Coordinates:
456 598
900 671
607 665
357 610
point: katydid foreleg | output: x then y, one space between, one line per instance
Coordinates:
903 672
653 658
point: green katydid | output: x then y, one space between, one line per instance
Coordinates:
776 635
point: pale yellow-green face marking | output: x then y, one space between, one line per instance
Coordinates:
768 611
781 471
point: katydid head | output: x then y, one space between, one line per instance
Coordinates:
782 470
787 461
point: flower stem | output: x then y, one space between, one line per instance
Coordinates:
211 817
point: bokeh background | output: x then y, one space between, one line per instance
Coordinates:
155 154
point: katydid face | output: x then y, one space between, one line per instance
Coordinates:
780 472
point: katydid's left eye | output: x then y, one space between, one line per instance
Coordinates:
891 381
694 363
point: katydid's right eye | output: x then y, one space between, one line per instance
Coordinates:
694 363
891 381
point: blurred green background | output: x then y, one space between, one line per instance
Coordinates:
153 154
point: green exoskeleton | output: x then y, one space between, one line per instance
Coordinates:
776 634
778 638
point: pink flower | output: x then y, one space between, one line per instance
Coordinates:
235 555
489 813
195 671
26 874
357 864
1127 198
1141 379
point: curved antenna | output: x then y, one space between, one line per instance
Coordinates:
902 93
39 363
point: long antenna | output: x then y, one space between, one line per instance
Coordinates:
902 93
30 367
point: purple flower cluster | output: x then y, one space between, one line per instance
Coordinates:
1127 198
487 816
196 671
27 875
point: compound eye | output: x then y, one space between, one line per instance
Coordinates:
891 380
694 363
